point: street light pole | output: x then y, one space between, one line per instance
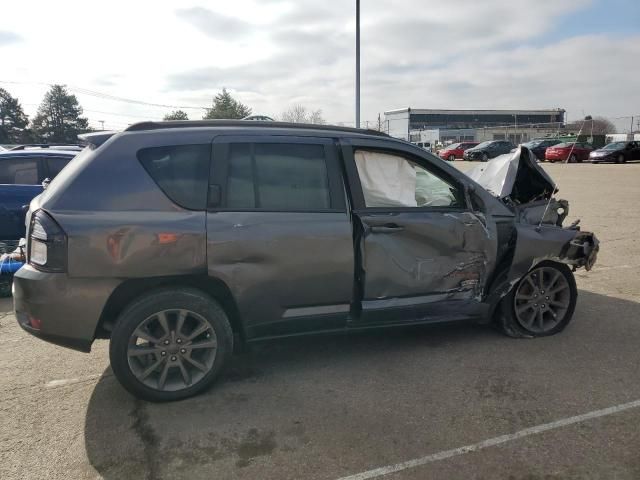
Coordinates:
357 63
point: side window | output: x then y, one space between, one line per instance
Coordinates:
18 171
278 176
393 181
181 171
55 164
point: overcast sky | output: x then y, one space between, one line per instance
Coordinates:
581 55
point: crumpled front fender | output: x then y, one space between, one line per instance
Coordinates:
534 244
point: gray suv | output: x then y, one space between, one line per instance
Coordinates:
177 240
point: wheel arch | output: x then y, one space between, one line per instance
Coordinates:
131 289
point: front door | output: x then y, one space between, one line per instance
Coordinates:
278 232
422 253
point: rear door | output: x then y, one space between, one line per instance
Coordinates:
278 232
422 253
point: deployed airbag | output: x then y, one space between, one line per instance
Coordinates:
387 180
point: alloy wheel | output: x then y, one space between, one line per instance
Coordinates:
542 300
172 350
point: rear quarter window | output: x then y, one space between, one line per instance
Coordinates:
181 172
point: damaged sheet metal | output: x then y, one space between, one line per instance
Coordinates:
448 254
515 177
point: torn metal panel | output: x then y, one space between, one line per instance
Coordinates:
549 212
515 176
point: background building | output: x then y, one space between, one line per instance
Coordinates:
479 125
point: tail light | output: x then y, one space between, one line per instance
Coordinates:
47 244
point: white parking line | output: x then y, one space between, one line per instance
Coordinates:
70 381
545 427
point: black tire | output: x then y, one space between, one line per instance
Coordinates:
139 311
485 157
452 158
509 321
573 159
620 158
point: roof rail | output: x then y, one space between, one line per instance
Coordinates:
46 145
137 127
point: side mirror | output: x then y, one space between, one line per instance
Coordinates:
45 183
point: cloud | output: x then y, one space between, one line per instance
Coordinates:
272 53
214 25
7 38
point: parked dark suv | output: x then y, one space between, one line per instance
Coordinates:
22 171
178 239
488 150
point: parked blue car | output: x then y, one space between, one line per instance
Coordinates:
22 171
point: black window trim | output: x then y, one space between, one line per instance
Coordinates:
359 206
220 169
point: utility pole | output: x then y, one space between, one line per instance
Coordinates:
102 123
357 63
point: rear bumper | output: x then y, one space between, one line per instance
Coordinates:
58 309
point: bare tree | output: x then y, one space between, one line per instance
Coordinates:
300 114
601 126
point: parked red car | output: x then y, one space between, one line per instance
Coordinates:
574 151
455 150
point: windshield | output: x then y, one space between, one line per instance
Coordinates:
564 145
452 146
483 144
532 143
615 146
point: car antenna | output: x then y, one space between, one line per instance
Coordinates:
539 227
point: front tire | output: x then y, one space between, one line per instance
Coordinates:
620 159
170 344
485 157
573 159
542 303
452 158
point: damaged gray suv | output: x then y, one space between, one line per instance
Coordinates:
177 240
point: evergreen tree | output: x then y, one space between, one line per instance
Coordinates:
226 107
176 115
13 121
59 117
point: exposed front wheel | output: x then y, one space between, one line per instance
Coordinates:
573 159
542 303
452 158
170 344
485 157
620 159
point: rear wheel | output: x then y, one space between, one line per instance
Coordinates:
620 159
573 158
542 303
170 344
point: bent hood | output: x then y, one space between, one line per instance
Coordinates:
515 176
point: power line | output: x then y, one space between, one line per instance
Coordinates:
106 96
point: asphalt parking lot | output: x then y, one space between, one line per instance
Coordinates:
336 407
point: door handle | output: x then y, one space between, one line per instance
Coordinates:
387 228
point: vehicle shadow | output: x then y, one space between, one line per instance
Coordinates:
282 396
